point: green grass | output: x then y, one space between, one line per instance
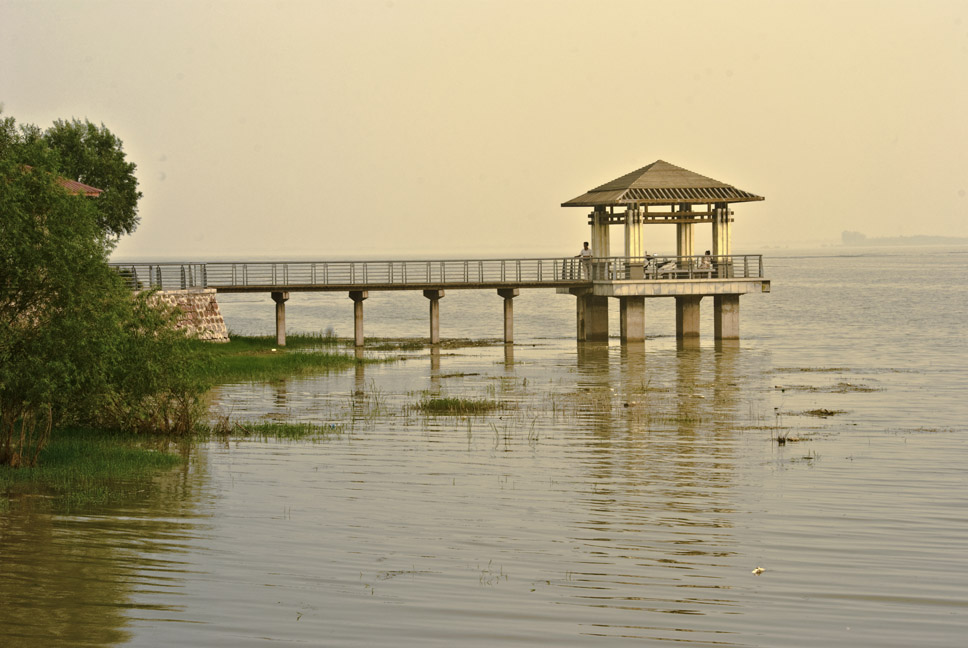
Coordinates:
456 406
82 467
265 430
250 358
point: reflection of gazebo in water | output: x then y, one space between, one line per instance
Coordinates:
664 193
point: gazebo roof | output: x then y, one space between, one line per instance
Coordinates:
661 183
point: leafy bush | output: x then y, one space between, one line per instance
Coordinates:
75 344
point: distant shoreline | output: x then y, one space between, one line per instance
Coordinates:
856 239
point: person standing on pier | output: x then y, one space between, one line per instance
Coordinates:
586 260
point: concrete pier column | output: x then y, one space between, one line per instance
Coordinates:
434 296
687 316
509 294
726 317
358 296
592 312
280 298
632 318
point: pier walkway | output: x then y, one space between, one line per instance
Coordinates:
628 279
295 276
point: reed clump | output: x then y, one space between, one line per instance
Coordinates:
275 430
456 406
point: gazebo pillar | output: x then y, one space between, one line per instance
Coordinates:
633 241
600 240
722 240
685 246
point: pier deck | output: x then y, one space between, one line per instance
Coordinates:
630 280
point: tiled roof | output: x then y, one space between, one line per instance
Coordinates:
661 183
75 187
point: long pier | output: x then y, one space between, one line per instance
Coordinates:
630 280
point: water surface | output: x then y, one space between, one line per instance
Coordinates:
621 495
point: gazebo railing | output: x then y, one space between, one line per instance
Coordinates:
336 275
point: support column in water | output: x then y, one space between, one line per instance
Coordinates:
509 294
280 298
726 317
592 316
687 316
434 296
632 318
358 296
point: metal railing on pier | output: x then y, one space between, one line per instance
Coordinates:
253 276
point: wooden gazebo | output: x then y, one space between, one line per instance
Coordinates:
662 193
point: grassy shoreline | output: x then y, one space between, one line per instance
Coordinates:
258 358
83 467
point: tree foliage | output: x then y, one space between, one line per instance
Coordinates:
75 343
93 155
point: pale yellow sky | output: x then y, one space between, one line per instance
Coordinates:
441 128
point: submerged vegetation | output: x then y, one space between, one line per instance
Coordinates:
84 466
456 406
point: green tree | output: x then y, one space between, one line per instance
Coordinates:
93 155
75 343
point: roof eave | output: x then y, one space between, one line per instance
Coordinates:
590 200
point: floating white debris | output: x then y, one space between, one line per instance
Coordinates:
758 571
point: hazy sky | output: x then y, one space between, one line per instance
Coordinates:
437 128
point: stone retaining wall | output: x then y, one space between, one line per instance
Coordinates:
200 312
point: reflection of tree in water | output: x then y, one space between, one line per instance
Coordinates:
68 580
659 478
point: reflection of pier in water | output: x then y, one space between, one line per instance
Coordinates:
659 492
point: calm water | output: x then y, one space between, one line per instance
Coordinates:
622 496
